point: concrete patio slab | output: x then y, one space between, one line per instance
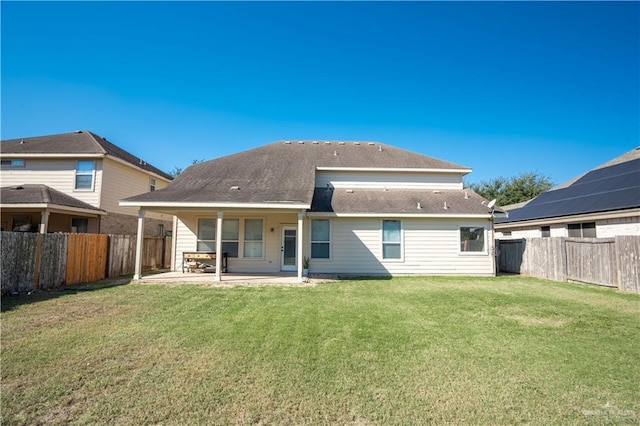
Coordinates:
228 279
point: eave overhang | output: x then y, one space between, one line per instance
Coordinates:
53 207
215 205
570 219
394 169
407 215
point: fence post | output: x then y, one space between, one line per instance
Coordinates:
36 268
565 264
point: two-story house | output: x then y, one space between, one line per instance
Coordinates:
351 207
72 182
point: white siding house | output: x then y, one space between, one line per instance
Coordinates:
351 208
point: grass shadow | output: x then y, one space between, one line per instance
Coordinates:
364 277
11 301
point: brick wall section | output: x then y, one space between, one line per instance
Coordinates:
122 224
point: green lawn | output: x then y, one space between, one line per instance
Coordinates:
401 351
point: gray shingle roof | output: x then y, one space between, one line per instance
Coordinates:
79 142
40 194
282 172
398 201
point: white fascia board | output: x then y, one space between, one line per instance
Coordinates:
126 163
570 219
178 205
393 169
408 215
54 207
36 155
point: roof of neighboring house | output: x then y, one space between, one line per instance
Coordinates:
41 194
284 173
78 142
612 186
398 201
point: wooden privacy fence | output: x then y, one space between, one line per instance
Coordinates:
611 262
46 261
156 254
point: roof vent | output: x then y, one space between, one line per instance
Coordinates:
235 188
445 205
21 141
379 148
356 143
340 143
466 195
419 206
370 143
287 142
437 191
301 142
335 153
327 143
315 142
78 131
18 187
349 191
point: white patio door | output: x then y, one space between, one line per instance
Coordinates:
289 248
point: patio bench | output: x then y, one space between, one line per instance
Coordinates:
202 261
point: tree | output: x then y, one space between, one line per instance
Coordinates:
178 170
513 190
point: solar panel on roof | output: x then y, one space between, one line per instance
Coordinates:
615 187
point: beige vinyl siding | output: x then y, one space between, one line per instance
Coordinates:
405 180
186 240
430 247
56 173
122 181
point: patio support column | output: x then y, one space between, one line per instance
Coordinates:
137 273
300 244
219 247
44 222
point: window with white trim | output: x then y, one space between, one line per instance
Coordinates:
253 238
545 231
230 236
320 239
582 230
472 239
152 184
206 235
391 239
84 174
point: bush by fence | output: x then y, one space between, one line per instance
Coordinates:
46 261
611 262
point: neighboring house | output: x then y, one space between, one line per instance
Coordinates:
72 183
351 207
604 202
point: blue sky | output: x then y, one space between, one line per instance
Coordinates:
501 87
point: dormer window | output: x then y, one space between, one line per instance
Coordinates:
152 184
84 174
